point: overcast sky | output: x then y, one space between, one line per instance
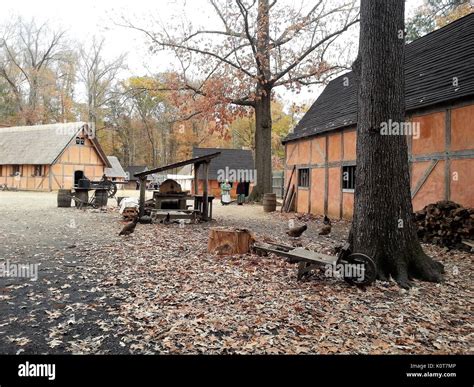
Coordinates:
86 18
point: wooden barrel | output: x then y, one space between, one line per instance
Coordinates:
83 196
64 198
269 202
101 198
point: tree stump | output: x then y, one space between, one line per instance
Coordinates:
229 241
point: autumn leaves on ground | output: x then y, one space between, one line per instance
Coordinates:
159 291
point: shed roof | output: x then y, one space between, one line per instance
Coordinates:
431 64
194 161
233 159
131 170
116 170
40 144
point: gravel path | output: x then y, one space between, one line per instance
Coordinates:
159 291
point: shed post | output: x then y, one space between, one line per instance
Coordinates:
196 178
142 195
205 196
50 177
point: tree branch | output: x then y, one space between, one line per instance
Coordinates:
193 49
280 75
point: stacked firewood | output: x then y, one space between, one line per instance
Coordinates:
445 223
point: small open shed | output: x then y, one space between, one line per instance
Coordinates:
200 163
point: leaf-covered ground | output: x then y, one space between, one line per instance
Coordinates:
159 291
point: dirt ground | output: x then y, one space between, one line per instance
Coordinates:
159 291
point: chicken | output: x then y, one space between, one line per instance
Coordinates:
326 229
296 232
129 228
146 220
167 220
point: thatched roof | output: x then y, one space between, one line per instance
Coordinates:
40 144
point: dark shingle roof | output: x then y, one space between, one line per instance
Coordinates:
132 170
431 63
230 158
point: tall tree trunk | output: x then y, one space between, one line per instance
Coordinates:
263 145
383 227
32 116
263 115
92 112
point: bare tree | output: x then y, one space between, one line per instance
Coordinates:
256 47
66 78
99 77
29 50
119 116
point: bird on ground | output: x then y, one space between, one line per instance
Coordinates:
296 232
146 220
130 227
167 220
326 229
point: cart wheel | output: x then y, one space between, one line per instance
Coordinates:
369 268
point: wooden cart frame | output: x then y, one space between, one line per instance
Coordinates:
309 260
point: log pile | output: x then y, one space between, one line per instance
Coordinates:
445 223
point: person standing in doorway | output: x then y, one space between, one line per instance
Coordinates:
240 193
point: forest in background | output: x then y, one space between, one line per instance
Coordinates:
143 120
45 77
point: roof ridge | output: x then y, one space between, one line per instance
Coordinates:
430 67
453 24
444 28
42 126
222 148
